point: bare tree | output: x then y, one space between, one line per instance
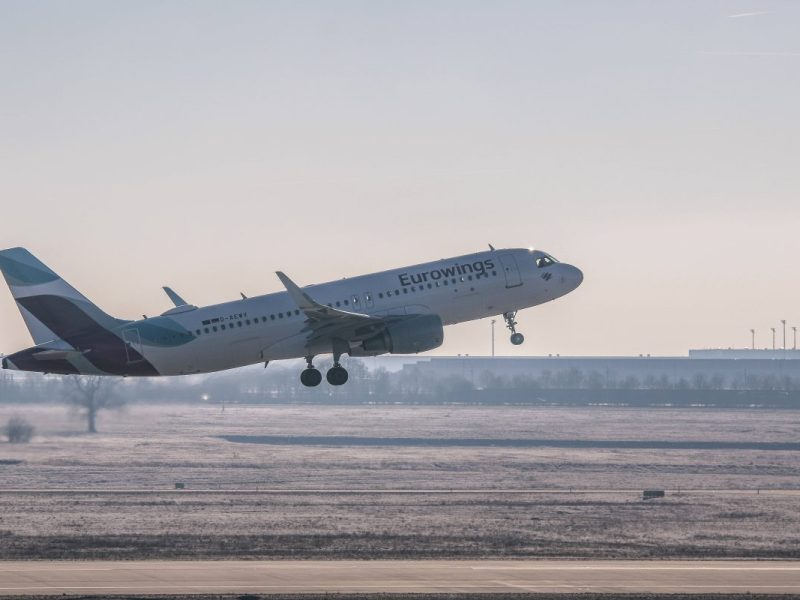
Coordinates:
90 394
18 430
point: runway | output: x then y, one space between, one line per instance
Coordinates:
272 491
432 576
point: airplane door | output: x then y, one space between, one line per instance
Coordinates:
510 270
368 301
133 345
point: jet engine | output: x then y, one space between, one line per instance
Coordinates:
409 336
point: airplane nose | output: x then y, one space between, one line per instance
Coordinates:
572 277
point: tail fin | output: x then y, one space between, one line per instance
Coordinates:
52 308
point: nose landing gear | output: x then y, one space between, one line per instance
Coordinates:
511 323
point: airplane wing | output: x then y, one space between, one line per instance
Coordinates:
325 322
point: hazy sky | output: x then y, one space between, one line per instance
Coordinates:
203 145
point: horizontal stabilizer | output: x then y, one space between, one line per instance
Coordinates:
58 354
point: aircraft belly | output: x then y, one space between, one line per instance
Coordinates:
179 360
293 346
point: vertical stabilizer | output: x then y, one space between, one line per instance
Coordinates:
52 308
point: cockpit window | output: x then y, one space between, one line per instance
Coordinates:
544 261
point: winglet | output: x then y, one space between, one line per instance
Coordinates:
303 301
313 309
176 300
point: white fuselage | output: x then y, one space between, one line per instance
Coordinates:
271 327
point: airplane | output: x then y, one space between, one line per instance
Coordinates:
399 311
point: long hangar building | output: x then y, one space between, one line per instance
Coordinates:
721 368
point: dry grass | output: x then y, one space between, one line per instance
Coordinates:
155 447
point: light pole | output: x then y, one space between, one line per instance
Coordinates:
753 336
783 321
773 337
794 331
493 322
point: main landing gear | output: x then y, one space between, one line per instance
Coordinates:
511 323
336 375
311 377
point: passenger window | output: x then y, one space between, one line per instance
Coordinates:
405 290
214 327
338 304
280 315
272 317
380 294
346 302
206 329
297 312
197 332
223 326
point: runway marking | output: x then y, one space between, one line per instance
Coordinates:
362 576
50 570
404 585
527 588
390 491
614 568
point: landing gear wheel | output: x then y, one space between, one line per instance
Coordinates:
337 375
511 323
310 377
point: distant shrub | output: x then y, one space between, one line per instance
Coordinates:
18 430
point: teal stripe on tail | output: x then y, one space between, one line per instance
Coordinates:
43 298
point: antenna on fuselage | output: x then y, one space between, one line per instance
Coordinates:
243 296
491 247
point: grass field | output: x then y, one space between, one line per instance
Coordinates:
154 447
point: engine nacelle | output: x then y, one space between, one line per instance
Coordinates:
409 336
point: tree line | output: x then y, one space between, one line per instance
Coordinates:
411 384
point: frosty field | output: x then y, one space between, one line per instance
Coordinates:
69 494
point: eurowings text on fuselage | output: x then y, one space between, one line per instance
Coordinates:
398 311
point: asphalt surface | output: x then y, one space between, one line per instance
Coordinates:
432 576
267 490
